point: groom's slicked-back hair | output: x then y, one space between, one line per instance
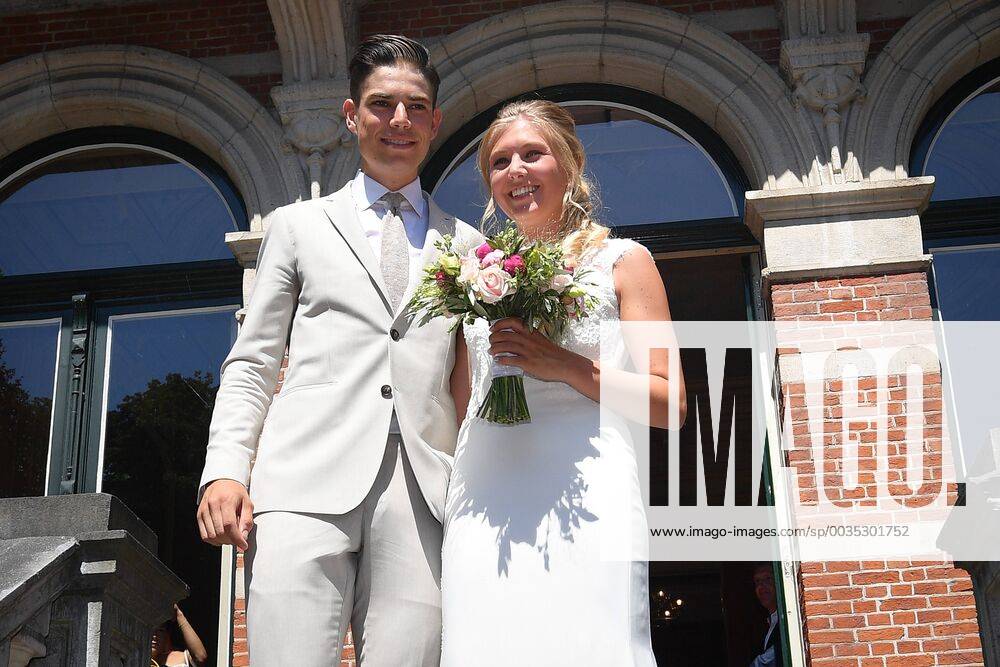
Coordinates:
388 50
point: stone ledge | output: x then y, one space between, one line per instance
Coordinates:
33 571
245 246
826 231
75 515
918 263
904 194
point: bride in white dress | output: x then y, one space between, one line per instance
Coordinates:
523 577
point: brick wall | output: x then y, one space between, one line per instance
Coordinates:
259 86
426 18
875 613
436 18
190 28
881 31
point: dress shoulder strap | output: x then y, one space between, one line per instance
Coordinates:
606 257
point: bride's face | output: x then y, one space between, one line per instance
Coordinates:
525 179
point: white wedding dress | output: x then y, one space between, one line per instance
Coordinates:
525 580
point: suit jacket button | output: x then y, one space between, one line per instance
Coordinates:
386 391
393 334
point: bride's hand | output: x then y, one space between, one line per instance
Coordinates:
534 353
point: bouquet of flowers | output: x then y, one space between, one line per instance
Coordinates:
504 277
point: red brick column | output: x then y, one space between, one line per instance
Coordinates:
874 613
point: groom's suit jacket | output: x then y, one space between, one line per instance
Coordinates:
320 441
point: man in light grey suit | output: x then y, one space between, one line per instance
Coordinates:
353 454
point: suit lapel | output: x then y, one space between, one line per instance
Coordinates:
343 214
438 225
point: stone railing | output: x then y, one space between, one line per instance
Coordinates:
80 583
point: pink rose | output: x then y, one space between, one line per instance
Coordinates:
493 284
483 250
492 258
513 264
441 277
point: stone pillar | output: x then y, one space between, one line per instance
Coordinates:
315 129
853 252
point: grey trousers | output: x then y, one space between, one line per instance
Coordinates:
377 568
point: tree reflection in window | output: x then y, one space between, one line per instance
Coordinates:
27 367
154 452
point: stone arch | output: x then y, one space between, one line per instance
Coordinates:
646 48
53 92
936 48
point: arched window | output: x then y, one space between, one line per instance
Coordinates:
117 304
959 144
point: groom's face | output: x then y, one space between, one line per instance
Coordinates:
395 122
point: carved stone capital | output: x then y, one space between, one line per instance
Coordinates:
828 89
824 74
314 125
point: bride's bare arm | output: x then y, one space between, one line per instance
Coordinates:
461 389
641 297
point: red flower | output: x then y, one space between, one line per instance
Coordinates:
483 250
513 264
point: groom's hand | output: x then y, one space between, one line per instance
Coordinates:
225 515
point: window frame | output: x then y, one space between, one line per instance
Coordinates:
64 318
27 158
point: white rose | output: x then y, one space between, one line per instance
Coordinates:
470 269
493 284
561 281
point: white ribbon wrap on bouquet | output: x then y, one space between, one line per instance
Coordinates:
498 370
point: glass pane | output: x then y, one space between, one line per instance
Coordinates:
967 283
161 386
965 158
645 172
692 297
110 207
28 353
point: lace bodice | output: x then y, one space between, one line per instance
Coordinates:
582 337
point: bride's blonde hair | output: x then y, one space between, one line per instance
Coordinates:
578 228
